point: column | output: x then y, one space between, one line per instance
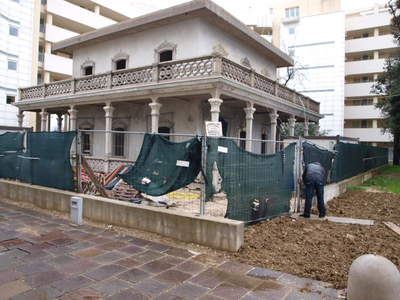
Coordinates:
20 117
43 115
66 122
376 32
59 122
306 127
215 108
292 122
249 110
97 9
108 138
273 118
376 54
155 114
72 118
317 128
49 18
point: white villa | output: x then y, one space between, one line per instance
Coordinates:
170 71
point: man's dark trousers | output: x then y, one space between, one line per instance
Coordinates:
318 185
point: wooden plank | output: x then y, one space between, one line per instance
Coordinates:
93 177
338 220
392 226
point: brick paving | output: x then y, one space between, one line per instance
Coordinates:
42 257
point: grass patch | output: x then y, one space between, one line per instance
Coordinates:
391 170
356 188
384 184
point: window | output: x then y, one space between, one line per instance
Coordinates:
164 130
365 57
88 71
356 102
242 142
41 55
365 35
166 56
39 78
356 124
292 12
119 142
42 27
12 65
120 64
44 2
357 59
15 1
264 137
357 81
291 30
86 143
10 99
364 79
364 102
271 11
13 31
364 124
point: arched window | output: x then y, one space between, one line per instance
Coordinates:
87 68
120 61
166 51
166 56
119 142
120 65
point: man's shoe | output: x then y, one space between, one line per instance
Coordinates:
322 216
304 216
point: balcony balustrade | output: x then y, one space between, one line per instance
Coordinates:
204 67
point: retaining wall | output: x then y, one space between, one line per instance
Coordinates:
218 233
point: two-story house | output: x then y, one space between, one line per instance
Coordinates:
170 71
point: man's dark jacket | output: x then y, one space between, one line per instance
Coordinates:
314 170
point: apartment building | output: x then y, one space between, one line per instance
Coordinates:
368 43
337 55
16 27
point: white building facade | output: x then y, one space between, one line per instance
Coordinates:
16 36
319 63
368 42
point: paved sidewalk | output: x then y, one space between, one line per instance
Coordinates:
42 257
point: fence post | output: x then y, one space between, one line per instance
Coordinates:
203 180
298 179
78 162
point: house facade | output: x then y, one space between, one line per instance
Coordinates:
168 72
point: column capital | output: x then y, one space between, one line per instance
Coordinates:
72 113
44 114
215 103
155 108
249 112
291 121
109 111
273 117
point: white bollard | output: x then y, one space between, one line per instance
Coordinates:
373 277
76 210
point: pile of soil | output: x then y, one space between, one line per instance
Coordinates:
324 250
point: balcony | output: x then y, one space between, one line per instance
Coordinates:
71 12
361 112
383 42
57 64
369 21
368 134
55 34
197 68
364 67
358 89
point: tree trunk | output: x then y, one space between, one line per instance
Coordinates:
396 151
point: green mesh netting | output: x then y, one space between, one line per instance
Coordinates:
163 162
258 186
11 141
46 161
354 159
313 153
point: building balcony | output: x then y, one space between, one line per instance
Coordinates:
362 67
368 134
57 64
68 12
383 42
368 21
362 112
358 89
55 34
201 72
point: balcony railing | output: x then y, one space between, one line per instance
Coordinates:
207 66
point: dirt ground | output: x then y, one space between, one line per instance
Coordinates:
319 250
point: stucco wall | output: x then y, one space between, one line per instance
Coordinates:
194 38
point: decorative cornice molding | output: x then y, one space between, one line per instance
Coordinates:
88 63
245 62
265 73
219 50
120 55
166 46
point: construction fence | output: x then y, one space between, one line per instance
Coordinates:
196 174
